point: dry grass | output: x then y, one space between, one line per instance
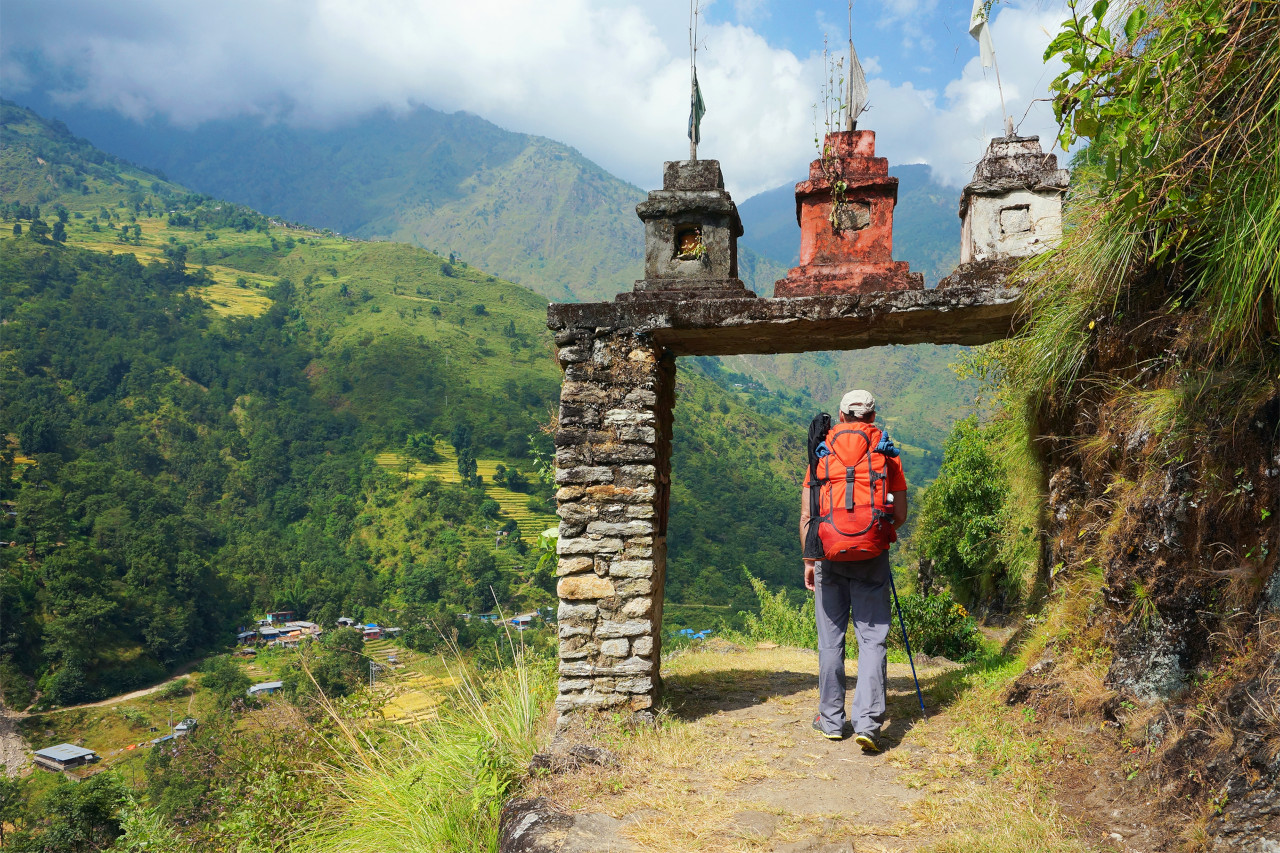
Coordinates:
969 779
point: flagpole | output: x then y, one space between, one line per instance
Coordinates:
1008 122
693 73
980 29
850 123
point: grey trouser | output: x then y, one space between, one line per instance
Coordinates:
863 588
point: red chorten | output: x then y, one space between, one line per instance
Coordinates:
855 254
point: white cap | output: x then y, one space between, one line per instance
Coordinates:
858 403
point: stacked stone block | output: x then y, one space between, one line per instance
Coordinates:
613 461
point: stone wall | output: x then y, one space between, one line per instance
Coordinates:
613 460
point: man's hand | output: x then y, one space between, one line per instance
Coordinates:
809 567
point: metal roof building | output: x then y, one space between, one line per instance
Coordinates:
63 756
267 687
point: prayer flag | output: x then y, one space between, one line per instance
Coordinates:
979 29
696 110
857 85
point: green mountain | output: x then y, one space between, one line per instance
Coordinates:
207 415
536 212
531 210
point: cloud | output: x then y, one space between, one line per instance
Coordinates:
609 77
950 132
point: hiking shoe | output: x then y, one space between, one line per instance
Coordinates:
817 727
869 741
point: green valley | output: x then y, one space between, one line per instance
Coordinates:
209 415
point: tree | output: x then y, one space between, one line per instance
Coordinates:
224 678
12 802
467 467
336 665
485 584
177 255
17 229
59 232
80 817
422 447
460 437
962 513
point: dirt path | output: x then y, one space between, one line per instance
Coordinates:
742 770
182 672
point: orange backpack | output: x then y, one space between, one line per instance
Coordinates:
855 517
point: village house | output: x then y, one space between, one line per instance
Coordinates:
64 756
265 688
309 629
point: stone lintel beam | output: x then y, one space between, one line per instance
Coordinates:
970 313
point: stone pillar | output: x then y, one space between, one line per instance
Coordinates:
613 469
845 213
1013 206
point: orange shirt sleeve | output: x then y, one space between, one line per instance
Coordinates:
897 480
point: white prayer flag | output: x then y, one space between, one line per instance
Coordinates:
857 85
979 29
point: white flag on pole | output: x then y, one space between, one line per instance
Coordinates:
979 29
858 93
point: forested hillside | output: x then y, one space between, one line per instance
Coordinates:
538 213
194 400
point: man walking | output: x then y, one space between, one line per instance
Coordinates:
854 498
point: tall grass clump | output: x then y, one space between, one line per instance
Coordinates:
1175 207
435 785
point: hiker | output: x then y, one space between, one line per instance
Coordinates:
854 498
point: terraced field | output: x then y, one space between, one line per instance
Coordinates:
514 505
416 684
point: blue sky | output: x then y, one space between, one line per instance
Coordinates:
925 43
609 77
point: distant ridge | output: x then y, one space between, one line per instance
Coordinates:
527 208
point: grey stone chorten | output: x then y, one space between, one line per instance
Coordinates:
691 231
1013 206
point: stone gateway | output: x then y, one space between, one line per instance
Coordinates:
613 438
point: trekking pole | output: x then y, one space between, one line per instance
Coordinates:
907 643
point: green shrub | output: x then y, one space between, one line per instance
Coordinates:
937 625
223 677
780 621
174 689
963 516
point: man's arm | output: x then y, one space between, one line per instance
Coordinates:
809 565
899 508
